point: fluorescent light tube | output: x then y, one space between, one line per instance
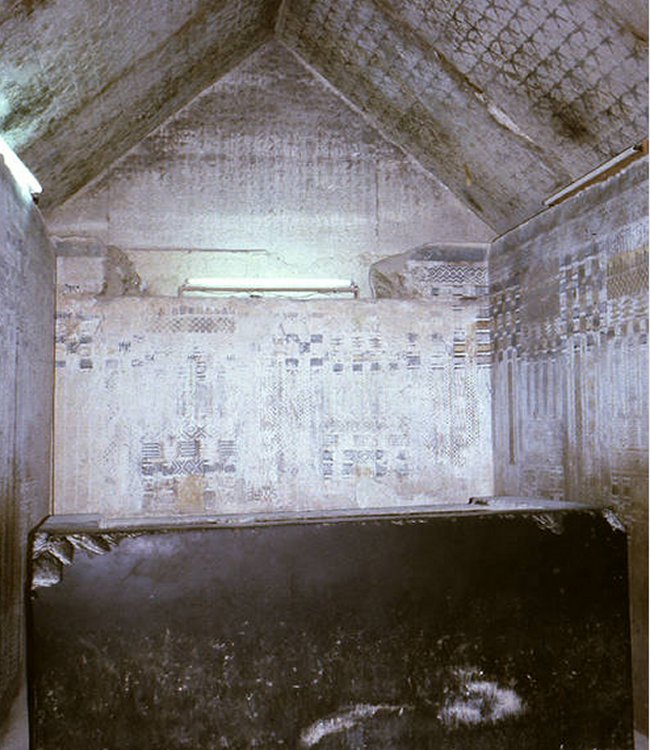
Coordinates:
282 285
599 172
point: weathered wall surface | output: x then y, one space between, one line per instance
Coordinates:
267 173
26 363
569 294
167 406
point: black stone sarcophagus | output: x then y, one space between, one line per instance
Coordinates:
496 625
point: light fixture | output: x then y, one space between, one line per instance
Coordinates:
602 172
263 287
21 174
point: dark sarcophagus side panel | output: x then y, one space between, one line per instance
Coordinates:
471 631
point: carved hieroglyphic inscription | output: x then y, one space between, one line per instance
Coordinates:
168 406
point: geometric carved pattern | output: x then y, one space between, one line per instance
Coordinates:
452 274
627 274
194 324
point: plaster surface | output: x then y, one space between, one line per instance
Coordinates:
26 365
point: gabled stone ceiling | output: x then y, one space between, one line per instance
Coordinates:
81 81
503 100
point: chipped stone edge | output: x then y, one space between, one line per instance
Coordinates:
51 553
614 520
